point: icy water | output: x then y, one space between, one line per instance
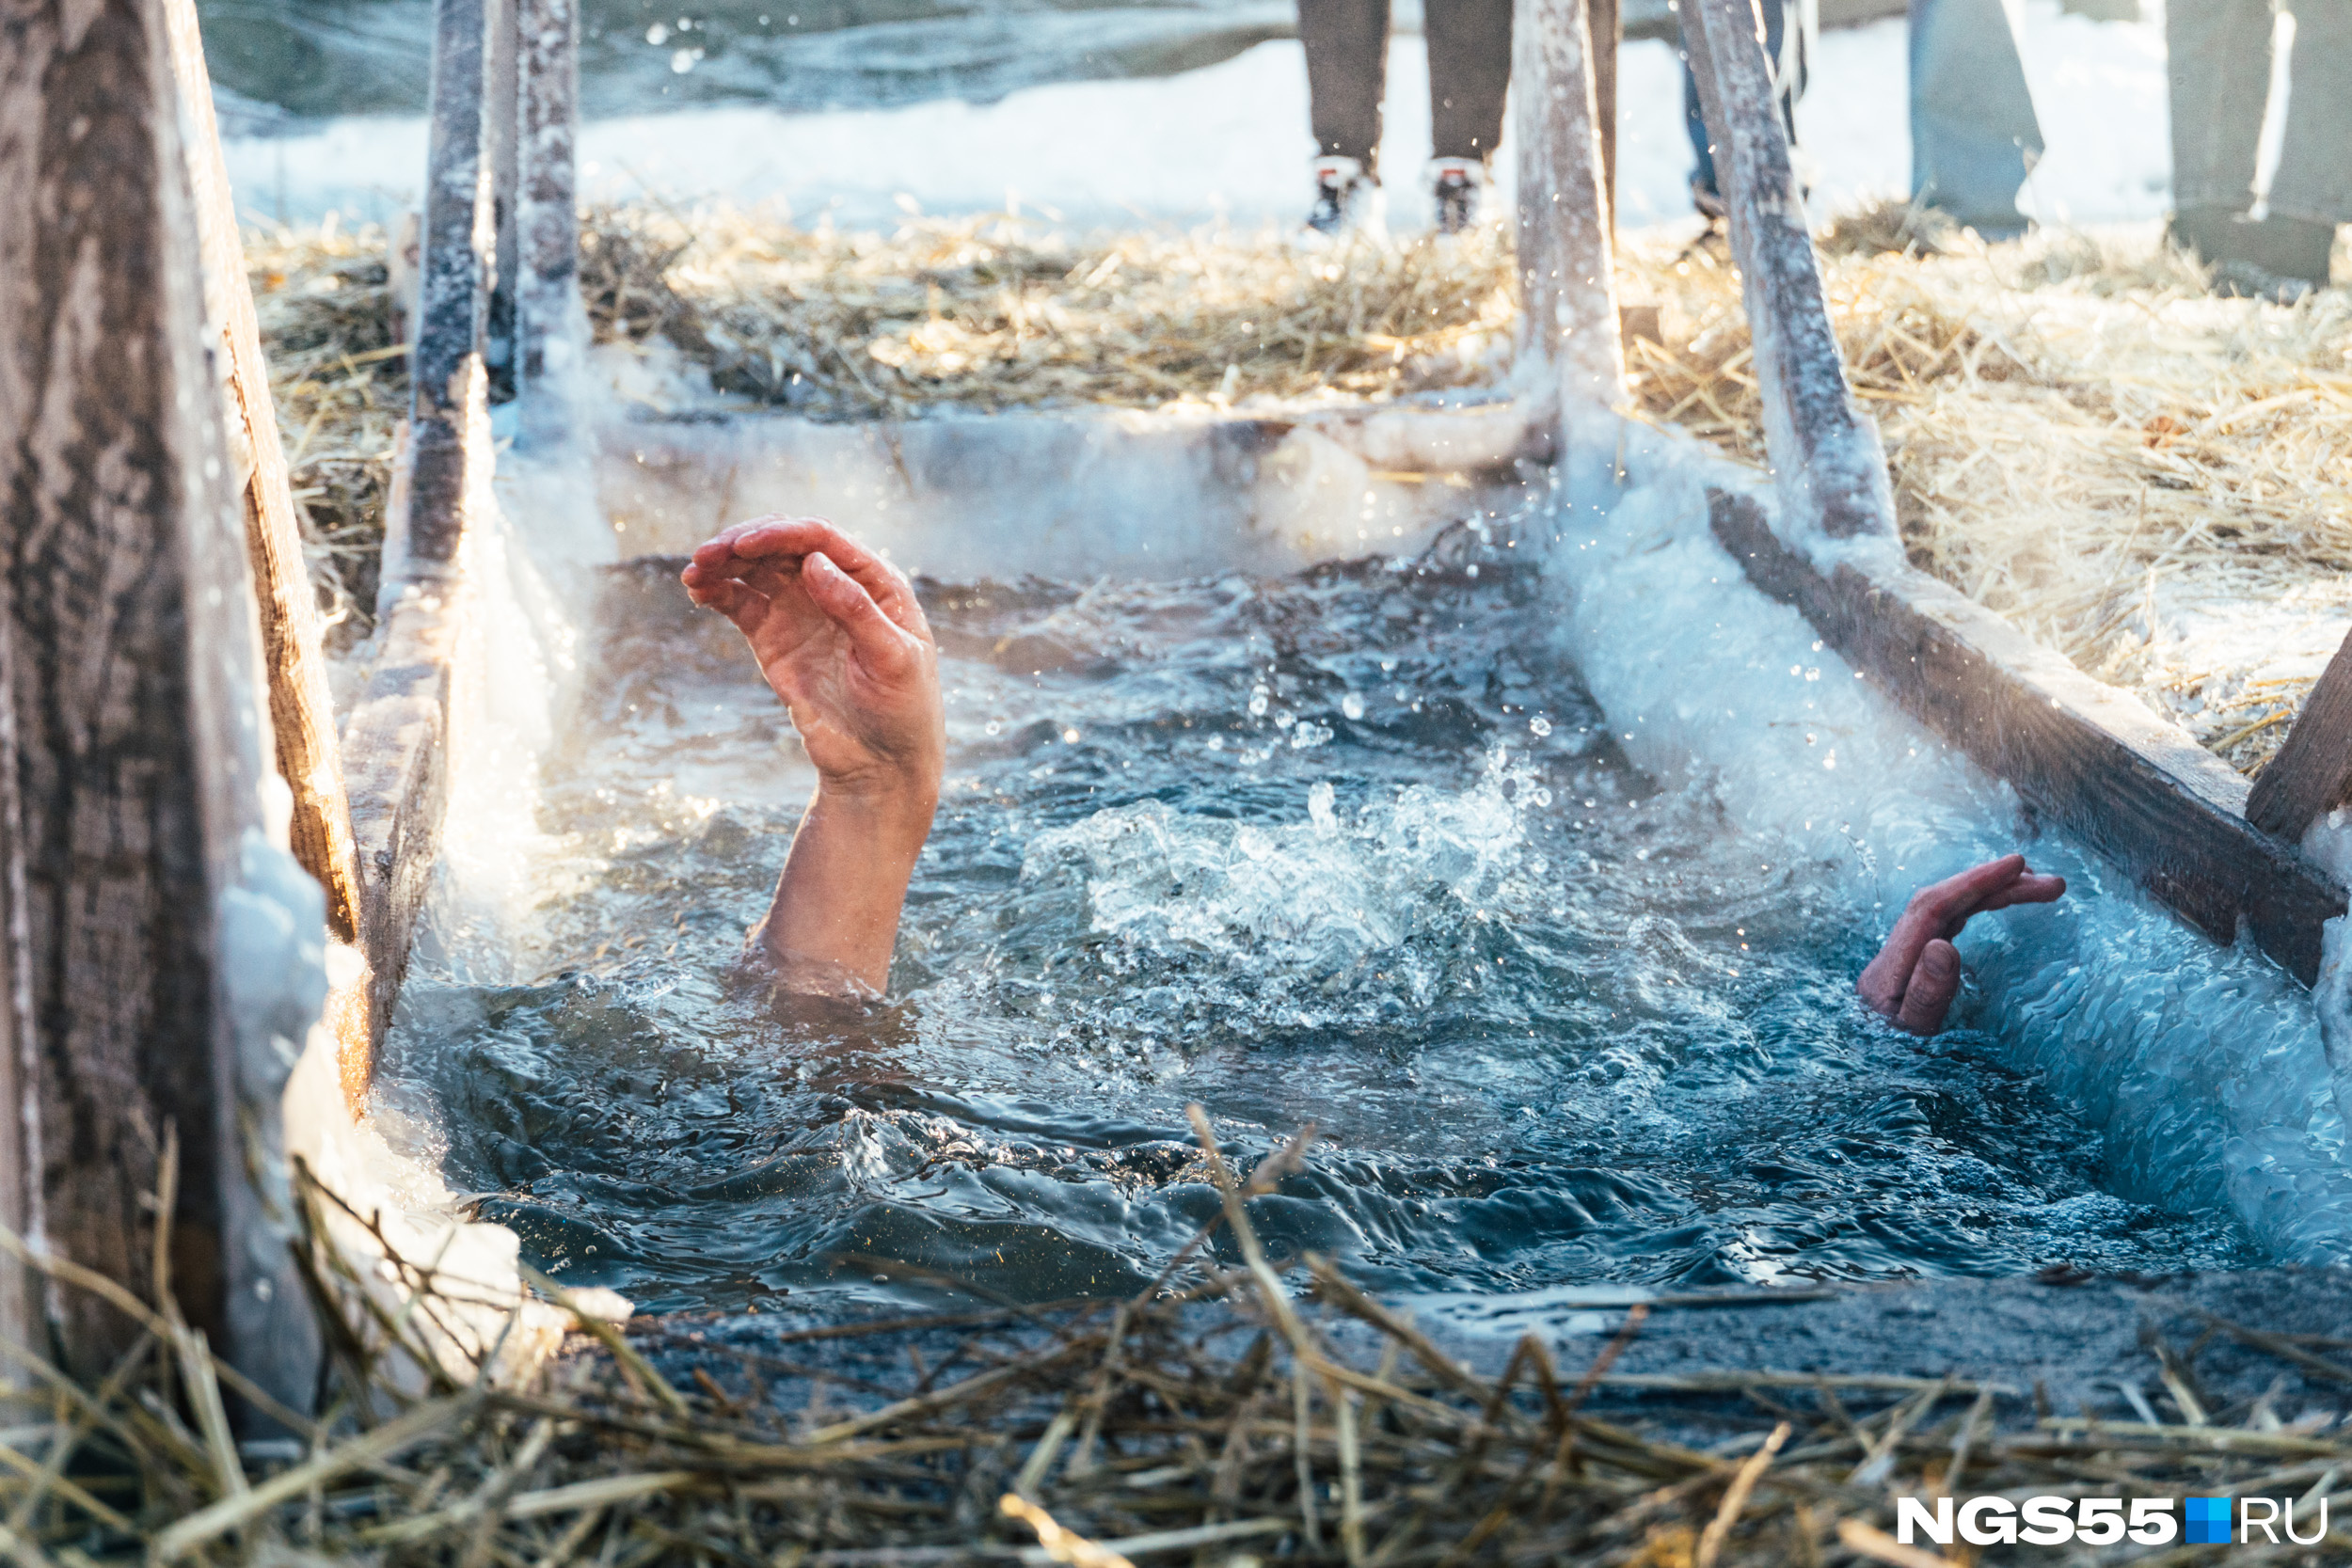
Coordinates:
1351 848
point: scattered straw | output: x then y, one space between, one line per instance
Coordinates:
2148 479
341 383
2153 481
1229 1412
1000 312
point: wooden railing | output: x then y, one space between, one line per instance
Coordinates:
2083 756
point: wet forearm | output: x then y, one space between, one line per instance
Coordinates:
845 882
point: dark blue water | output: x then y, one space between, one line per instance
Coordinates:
1351 848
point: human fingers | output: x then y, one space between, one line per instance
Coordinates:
746 606
1935 913
719 545
880 642
1934 984
2029 889
800 536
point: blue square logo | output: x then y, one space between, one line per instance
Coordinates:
2205 1521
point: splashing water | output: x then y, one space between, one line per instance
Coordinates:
1560 1018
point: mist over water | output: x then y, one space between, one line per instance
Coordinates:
1352 847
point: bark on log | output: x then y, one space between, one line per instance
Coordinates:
1829 467
2312 775
1568 345
165 949
301 707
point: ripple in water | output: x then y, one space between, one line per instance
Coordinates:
1352 847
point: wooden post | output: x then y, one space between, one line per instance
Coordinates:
2312 775
1605 27
301 707
162 950
1830 468
395 747
501 108
2085 756
449 392
1567 283
547 306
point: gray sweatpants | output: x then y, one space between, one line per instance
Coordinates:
1348 63
2220 70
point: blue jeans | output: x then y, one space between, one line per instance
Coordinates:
1973 130
1973 134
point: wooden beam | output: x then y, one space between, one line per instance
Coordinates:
449 392
395 747
161 946
2311 774
501 152
1605 27
1569 348
1829 467
302 711
2085 756
549 321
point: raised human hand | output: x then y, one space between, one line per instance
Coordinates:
838 635
1916 975
840 638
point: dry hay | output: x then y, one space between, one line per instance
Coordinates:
340 384
1222 1417
1000 311
2146 477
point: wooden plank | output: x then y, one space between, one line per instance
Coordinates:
1569 348
396 743
397 753
448 448
1605 25
1829 467
301 707
156 949
2312 775
2085 756
501 126
547 306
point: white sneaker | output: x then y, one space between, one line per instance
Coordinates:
1347 198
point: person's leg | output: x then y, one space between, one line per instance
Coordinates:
2219 65
1469 71
2314 180
1973 134
1347 64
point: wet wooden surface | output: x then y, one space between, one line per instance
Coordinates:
2087 757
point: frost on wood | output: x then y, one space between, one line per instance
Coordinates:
550 323
447 386
1829 465
1567 290
135 850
